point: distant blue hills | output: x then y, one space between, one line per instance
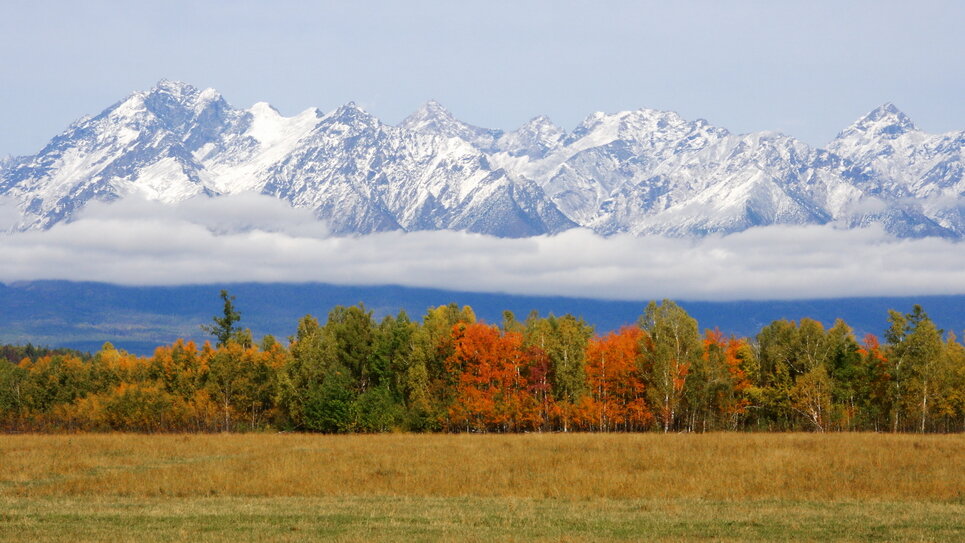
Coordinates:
85 315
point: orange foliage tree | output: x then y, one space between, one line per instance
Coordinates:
877 398
615 400
718 384
499 385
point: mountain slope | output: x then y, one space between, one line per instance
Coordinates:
896 162
637 172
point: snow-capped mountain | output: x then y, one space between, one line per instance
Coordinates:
638 172
907 170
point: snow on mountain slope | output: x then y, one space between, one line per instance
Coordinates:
896 161
5 163
534 140
432 118
239 160
364 176
642 171
648 171
142 144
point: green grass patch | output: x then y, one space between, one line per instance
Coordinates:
470 519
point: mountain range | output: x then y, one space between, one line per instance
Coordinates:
139 318
636 172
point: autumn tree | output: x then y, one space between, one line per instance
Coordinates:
493 389
949 406
616 393
52 381
141 407
564 341
511 324
671 347
716 392
448 372
110 367
915 351
875 392
12 407
428 384
786 351
811 396
178 368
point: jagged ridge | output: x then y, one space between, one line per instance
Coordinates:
637 172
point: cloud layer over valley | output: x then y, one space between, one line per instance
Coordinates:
257 238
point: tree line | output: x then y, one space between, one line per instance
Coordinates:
449 372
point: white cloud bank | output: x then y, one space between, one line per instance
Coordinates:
258 238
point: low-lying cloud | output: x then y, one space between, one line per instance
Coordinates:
259 238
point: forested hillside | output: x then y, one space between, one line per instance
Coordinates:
450 372
84 315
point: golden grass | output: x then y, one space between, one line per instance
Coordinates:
539 487
707 467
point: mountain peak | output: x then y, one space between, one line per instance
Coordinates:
639 171
431 114
889 112
534 138
168 95
887 107
433 118
885 121
350 108
434 107
353 114
177 89
264 108
542 127
172 84
623 123
540 120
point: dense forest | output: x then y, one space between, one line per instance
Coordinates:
452 373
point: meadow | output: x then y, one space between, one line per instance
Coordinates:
552 487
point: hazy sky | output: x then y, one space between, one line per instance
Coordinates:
805 68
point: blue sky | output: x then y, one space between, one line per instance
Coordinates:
804 68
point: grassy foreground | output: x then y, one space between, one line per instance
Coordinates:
472 487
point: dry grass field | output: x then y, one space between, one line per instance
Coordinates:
481 487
